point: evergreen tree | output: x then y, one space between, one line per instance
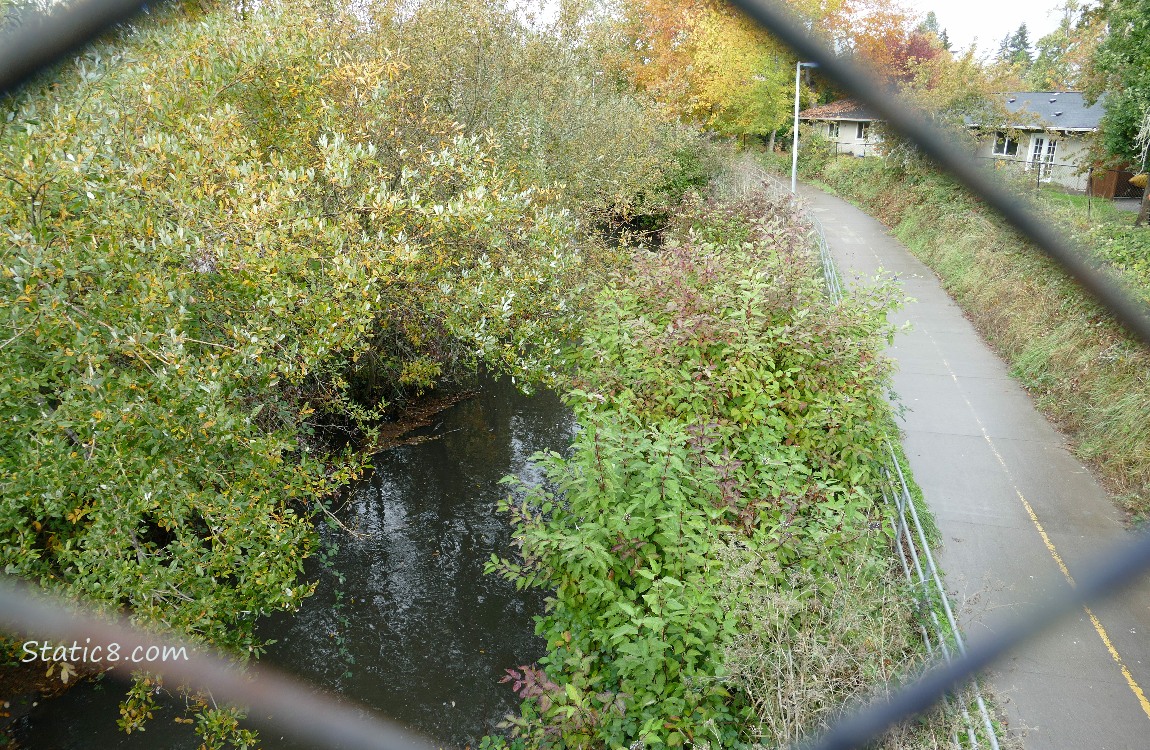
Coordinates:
1014 52
930 27
929 24
1018 48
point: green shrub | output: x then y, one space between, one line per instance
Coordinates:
549 99
218 256
815 150
724 406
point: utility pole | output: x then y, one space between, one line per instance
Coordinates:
795 140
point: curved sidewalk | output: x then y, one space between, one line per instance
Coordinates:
1018 513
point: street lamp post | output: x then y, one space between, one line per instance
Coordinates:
795 135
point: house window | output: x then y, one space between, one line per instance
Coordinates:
1042 156
1004 145
833 130
862 133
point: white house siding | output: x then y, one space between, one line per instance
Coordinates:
1070 151
1043 117
847 141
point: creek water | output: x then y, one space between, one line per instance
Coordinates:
415 630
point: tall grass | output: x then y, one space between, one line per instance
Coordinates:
804 660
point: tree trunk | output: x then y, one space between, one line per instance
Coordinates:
771 144
1144 210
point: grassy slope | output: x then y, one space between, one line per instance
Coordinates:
1083 372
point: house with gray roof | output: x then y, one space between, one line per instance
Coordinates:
847 124
1046 134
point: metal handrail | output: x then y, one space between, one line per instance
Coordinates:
916 545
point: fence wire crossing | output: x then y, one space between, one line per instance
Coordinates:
30 47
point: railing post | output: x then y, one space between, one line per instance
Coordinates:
1089 192
795 133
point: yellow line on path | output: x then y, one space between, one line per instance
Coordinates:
1130 681
1134 686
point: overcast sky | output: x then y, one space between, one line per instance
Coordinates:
990 20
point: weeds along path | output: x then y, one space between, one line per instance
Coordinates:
717 564
1019 515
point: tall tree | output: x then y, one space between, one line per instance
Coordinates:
929 24
1012 63
1015 48
659 46
884 35
743 77
1061 57
1122 69
707 64
931 28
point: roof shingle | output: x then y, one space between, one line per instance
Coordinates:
1036 110
1056 110
843 109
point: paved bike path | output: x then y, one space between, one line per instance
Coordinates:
1017 512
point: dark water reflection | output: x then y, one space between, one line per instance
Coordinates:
430 634
415 630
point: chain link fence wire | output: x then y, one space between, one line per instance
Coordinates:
1065 176
869 147
1038 174
35 42
31 41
